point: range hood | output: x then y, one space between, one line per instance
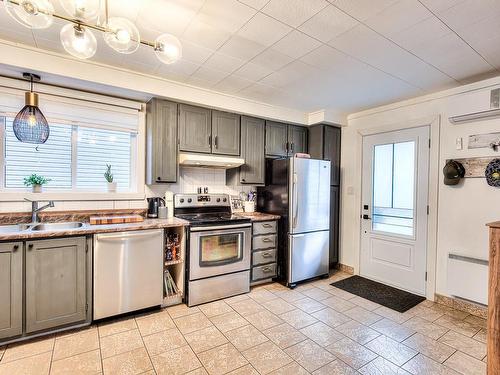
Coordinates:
209 161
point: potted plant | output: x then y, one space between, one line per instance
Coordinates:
36 182
108 175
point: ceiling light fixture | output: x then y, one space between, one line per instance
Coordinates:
30 125
77 38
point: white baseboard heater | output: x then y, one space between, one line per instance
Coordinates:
468 278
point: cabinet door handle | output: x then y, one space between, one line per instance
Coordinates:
30 246
215 141
210 140
286 147
15 248
291 147
243 180
158 178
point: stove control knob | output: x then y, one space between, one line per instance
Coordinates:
224 200
189 200
218 199
182 200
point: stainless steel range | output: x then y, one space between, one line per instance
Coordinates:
219 246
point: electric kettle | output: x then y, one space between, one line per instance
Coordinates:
153 204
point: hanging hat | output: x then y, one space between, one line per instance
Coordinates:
492 173
453 171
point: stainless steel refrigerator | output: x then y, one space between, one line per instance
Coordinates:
298 190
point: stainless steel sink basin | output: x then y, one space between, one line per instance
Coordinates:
14 228
57 226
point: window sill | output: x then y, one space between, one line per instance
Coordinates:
19 196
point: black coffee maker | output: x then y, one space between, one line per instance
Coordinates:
153 204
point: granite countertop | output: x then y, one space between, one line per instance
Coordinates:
258 216
93 229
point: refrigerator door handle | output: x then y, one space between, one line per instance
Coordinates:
295 201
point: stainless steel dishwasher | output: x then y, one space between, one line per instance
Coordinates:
128 271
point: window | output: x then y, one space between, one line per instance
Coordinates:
74 158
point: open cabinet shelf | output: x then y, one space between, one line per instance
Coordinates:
175 267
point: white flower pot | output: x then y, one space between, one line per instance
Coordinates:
37 188
111 187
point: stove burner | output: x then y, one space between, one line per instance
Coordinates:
213 217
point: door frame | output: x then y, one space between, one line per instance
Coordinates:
434 123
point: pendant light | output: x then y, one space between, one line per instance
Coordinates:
30 125
82 10
168 48
34 14
78 41
122 35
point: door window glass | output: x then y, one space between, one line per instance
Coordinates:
220 249
394 188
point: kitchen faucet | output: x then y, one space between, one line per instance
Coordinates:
35 209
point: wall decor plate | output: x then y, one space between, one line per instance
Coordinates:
492 173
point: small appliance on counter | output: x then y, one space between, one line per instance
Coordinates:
153 204
169 203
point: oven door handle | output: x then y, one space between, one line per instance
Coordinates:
219 227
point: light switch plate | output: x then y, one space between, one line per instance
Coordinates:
459 144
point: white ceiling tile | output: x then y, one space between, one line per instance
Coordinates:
205 35
421 34
328 58
126 8
199 82
328 23
232 84
182 68
296 70
195 53
296 44
223 62
272 59
209 75
241 48
438 6
264 30
253 72
468 12
259 91
257 4
362 9
294 12
228 15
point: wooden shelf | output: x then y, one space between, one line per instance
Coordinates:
172 262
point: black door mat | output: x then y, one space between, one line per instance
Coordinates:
384 295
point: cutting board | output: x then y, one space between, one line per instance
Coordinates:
115 219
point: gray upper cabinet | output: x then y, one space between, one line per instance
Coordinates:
276 139
56 283
324 143
225 133
161 141
11 289
195 129
297 139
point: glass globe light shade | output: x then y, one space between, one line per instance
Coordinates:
84 10
34 14
78 41
122 35
168 48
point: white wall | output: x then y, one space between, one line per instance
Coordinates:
462 211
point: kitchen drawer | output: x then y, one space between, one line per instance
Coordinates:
264 242
264 272
263 257
266 227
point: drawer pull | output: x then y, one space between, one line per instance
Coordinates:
267 240
266 255
267 225
267 269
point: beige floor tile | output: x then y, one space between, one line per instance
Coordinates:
352 353
198 371
481 336
153 323
176 361
292 368
262 295
309 305
129 363
289 295
425 327
222 359
76 331
465 364
120 343
336 367
163 341
28 348
82 364
322 334
235 299
298 318
70 345
366 304
278 306
264 319
245 370
181 310
392 329
426 313
205 339
193 322
363 315
245 337
317 294
284 335
381 366
267 357
392 350
477 321
394 315
338 304
357 331
465 344
429 347
247 307
310 355
215 308
422 365
116 326
341 293
457 325
228 321
331 317
2 350
35 365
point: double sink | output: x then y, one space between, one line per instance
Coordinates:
37 227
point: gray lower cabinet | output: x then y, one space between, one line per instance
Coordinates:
225 133
11 289
195 129
56 280
264 253
252 150
297 139
276 139
161 142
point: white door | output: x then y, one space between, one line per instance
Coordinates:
394 208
